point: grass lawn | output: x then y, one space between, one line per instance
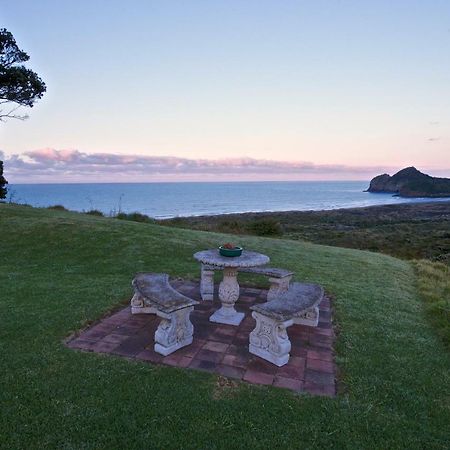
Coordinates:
434 288
60 270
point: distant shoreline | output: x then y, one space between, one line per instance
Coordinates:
413 204
405 230
170 200
426 202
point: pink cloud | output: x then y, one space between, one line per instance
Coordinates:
51 165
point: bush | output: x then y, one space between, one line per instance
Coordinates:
58 208
265 227
94 212
230 226
135 217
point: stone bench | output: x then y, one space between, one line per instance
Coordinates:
269 340
153 294
279 280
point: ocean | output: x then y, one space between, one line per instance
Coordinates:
165 200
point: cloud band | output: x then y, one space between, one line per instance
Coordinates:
50 165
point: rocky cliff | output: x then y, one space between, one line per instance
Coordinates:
410 182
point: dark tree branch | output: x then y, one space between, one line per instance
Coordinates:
18 85
10 114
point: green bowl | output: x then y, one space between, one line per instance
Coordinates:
237 251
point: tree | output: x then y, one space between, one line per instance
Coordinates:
19 86
3 183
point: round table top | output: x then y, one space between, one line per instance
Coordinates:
247 259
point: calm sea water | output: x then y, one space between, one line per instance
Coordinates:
163 200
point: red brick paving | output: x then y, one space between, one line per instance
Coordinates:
223 349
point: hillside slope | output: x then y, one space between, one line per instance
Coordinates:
60 270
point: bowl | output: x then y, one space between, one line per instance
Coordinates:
230 252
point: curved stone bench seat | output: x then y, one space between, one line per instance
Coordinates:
269 340
279 279
153 294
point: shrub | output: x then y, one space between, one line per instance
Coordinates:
266 227
135 217
230 226
58 208
94 212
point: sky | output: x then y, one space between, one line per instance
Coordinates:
250 90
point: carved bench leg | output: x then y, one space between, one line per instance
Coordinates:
278 286
269 340
207 284
137 306
310 317
174 331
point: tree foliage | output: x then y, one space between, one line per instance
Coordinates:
19 86
3 183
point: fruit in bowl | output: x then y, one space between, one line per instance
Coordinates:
230 250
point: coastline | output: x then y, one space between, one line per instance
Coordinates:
405 230
422 201
165 201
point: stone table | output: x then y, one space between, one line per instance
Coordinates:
229 286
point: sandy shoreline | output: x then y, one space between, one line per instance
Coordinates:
419 205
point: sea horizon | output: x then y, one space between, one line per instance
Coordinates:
191 182
164 200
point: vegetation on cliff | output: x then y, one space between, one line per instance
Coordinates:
410 182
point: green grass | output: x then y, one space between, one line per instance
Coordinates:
61 270
434 287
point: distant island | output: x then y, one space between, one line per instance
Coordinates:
410 182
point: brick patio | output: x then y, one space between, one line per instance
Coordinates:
223 349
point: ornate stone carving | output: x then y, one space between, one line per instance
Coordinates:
279 279
269 340
229 287
277 287
137 301
174 331
138 305
310 317
228 294
153 294
207 284
299 304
